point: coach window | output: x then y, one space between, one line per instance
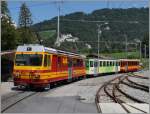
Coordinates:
80 62
95 64
45 60
122 64
87 63
107 63
110 63
48 60
104 63
91 63
100 63
59 61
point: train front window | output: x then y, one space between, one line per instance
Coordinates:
28 60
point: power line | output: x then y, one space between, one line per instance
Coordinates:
16 8
100 21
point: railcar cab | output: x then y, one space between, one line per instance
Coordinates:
39 66
31 61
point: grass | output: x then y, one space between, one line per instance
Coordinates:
47 34
131 55
121 55
145 62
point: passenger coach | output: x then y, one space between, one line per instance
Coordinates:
129 65
101 66
39 66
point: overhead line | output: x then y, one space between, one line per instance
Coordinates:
132 22
103 42
29 6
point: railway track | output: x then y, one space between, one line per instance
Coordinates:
4 98
135 85
10 101
112 90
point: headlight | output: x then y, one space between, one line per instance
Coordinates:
37 76
17 75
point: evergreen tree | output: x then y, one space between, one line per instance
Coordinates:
4 8
25 21
8 32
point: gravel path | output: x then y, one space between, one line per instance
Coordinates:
145 82
144 96
76 97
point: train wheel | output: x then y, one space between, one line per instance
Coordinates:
21 87
84 77
48 87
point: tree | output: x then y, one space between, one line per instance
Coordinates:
4 9
25 21
8 32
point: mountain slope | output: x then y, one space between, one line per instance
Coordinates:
134 22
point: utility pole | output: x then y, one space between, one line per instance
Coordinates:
145 50
58 27
107 3
98 36
126 51
140 51
136 48
126 48
139 42
57 43
99 31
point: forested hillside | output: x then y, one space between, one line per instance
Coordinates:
134 22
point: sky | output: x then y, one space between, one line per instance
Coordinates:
47 9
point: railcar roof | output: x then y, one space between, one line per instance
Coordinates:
129 59
104 59
41 48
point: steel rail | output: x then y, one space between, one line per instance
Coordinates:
3 99
113 94
98 96
121 101
137 76
136 85
113 97
127 95
11 105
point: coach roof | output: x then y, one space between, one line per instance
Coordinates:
41 48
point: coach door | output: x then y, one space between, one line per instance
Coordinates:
69 68
126 66
116 66
95 67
